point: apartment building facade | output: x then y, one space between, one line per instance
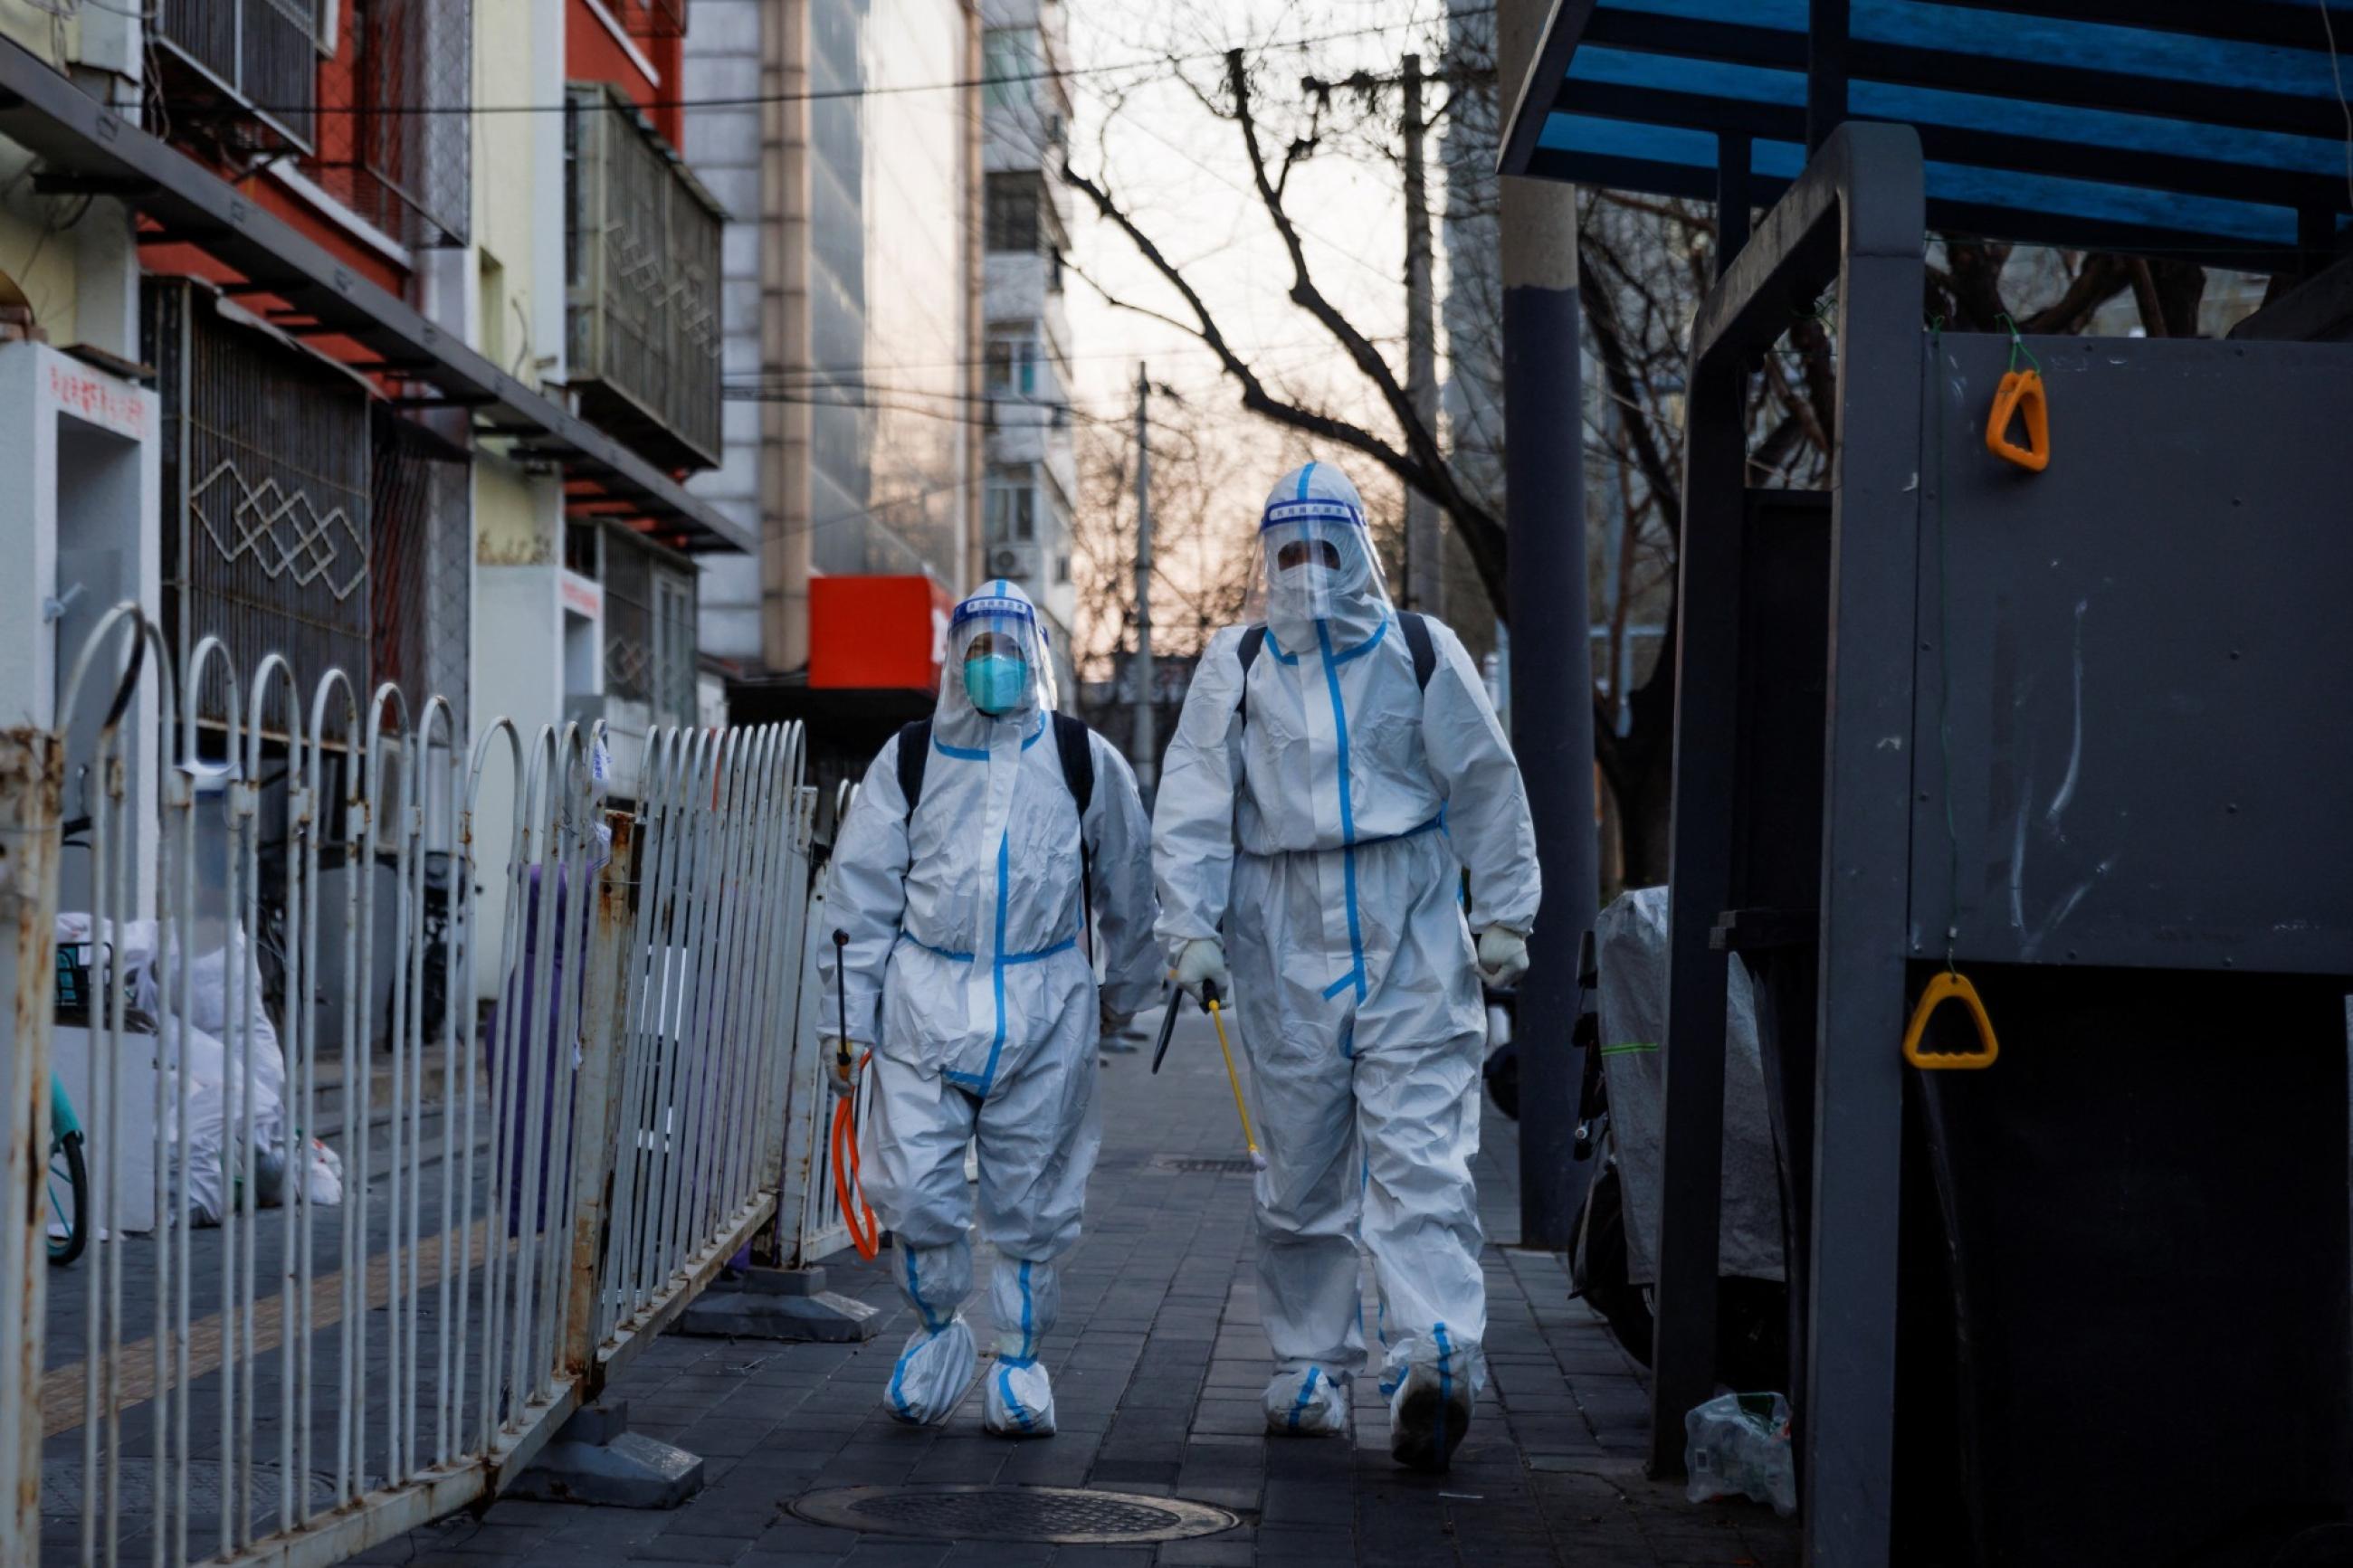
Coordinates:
845 142
1032 478
380 334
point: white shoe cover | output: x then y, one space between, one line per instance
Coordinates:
1308 1404
930 1374
1018 1399
1428 1418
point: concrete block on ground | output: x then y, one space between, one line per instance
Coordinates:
597 1460
789 1304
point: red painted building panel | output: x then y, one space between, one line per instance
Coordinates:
593 53
336 132
877 633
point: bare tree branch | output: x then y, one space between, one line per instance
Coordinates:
1416 461
1425 468
1204 326
1609 347
2101 279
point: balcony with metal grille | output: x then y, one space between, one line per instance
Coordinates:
302 516
243 74
643 305
394 142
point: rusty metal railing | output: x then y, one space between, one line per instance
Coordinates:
351 1260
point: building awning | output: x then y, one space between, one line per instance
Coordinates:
81 141
2211 132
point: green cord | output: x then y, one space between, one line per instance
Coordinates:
2017 347
1944 643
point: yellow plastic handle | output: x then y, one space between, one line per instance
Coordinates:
2021 394
1946 987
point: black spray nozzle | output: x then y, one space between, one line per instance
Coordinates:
1209 997
841 996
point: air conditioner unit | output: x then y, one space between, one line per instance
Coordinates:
1016 560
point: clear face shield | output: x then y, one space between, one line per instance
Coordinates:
1316 563
998 661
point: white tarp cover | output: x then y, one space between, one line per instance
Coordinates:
216 1069
1631 948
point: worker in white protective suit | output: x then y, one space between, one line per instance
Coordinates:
968 973
1337 769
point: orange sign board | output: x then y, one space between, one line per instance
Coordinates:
875 632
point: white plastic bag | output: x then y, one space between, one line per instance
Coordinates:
1737 1445
321 1172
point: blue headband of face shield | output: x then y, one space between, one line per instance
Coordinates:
1315 509
993 607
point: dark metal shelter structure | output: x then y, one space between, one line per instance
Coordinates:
2076 734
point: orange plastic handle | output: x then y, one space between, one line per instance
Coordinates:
1949 986
2020 395
845 1181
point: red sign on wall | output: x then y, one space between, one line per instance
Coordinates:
877 633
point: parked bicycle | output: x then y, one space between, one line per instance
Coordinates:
68 1179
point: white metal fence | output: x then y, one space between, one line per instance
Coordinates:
352 1254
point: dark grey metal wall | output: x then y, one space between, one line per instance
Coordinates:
2152 647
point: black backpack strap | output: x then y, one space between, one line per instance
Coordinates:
1252 640
1417 640
914 749
1075 742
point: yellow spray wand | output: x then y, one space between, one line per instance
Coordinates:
1217 1017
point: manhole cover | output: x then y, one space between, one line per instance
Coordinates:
1056 1514
1219 1164
135 1488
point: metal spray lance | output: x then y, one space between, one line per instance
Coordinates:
1217 1016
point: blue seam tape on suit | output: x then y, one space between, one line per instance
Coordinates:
1306 1393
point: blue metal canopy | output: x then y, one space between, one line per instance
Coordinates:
2213 130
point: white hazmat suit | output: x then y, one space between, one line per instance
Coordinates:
1316 815
967 974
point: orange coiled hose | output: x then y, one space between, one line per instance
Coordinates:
848 1190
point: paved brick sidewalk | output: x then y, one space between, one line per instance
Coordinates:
1158 1365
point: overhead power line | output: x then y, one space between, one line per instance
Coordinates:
1293 345
823 95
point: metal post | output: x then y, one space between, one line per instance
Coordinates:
1733 200
1849 1470
1826 70
1424 577
1699 880
1552 675
31 774
1146 746
1700 863
611 966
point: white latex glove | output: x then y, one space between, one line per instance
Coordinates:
1503 955
1204 958
840 1074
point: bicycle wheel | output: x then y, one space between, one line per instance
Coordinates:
69 1199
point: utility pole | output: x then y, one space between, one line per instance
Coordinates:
1145 746
1552 654
1424 572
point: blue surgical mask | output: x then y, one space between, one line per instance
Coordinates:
996 682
